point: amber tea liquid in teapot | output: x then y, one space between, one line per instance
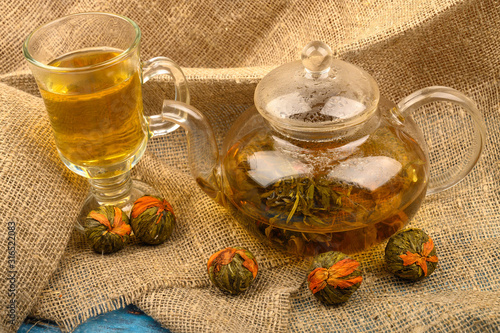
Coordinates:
322 162
364 193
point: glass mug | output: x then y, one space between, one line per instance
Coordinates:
90 76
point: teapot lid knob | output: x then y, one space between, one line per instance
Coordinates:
317 57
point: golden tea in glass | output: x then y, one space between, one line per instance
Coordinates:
97 120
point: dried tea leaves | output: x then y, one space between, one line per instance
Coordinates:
305 197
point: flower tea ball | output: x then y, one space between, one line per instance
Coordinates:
152 219
232 270
334 277
107 228
410 254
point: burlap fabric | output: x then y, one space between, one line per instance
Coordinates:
227 46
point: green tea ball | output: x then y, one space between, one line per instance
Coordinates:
410 254
334 277
232 270
152 219
107 229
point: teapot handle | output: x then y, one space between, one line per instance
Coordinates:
414 101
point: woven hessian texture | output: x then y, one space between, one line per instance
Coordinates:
225 48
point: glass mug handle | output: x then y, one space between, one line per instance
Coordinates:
444 94
158 66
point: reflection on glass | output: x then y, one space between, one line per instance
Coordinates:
370 172
276 167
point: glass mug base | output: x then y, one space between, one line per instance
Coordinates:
121 191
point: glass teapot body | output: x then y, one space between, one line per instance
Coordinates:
322 162
345 192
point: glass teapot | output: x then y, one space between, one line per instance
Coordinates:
321 162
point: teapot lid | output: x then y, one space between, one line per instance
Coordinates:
317 93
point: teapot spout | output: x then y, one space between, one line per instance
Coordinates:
203 154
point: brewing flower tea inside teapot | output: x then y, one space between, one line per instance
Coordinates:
321 162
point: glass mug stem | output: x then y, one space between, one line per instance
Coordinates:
112 191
